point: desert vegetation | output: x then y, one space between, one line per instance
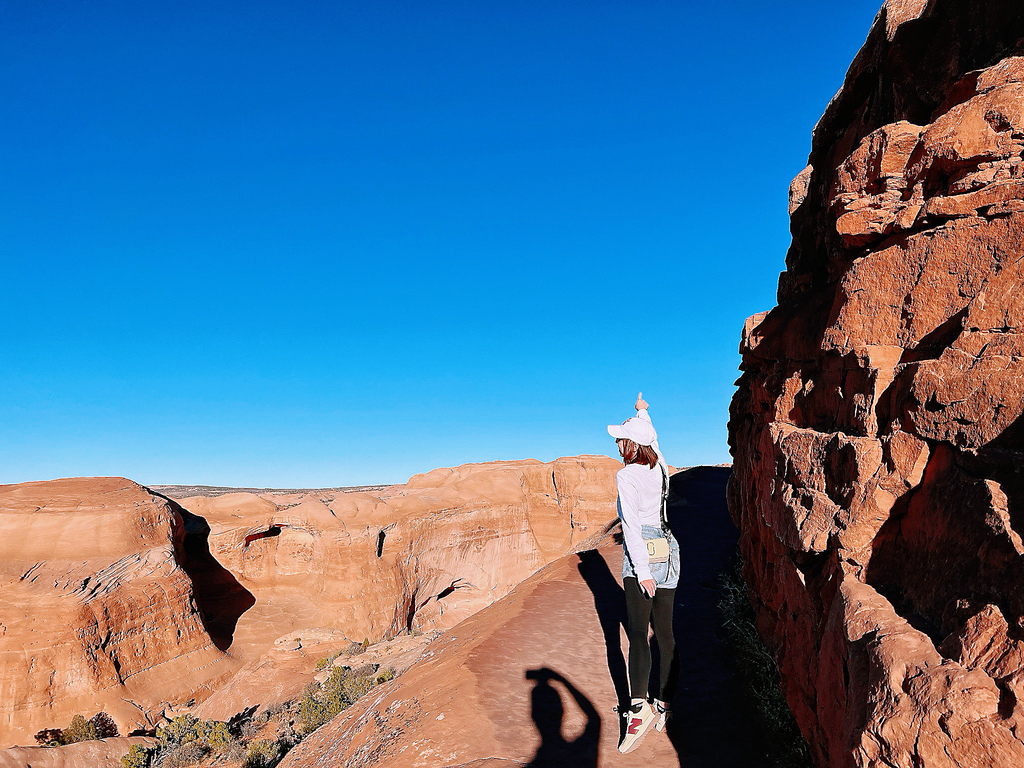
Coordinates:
262 739
99 726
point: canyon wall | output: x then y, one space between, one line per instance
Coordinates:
876 430
113 597
419 556
96 609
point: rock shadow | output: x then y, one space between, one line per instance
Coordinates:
219 596
712 715
548 713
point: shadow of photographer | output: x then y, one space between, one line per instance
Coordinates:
548 713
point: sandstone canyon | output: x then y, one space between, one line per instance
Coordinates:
118 598
876 430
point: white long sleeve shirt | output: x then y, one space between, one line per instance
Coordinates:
639 504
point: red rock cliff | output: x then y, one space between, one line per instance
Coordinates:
877 429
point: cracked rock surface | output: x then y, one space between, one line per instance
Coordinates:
877 430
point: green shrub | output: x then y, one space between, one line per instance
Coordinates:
313 711
320 703
79 730
180 730
385 675
137 757
218 737
326 661
262 754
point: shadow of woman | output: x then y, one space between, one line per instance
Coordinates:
548 712
610 604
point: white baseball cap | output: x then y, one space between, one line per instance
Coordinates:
640 431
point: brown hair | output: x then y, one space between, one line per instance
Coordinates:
632 453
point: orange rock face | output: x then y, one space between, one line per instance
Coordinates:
118 599
419 556
877 427
96 609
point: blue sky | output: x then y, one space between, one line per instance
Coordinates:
317 244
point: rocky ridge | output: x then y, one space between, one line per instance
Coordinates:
876 429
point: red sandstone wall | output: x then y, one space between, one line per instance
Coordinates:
876 430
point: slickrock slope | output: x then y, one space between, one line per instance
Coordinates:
97 611
484 694
877 429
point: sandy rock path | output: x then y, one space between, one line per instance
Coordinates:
532 679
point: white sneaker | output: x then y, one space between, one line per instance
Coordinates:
639 719
662 711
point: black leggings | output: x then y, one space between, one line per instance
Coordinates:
641 612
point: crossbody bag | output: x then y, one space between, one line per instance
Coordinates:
658 549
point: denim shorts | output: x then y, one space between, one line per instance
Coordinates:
665 575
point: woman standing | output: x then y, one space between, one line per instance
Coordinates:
650 570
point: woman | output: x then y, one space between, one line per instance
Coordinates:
648 581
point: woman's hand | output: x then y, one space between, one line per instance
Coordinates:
649 586
641 404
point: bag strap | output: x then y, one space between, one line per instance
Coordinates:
664 498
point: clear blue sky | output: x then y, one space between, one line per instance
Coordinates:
335 243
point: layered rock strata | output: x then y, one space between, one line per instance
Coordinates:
97 611
877 429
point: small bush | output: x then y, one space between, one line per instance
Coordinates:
137 757
384 675
254 725
262 754
313 711
49 737
184 755
353 649
218 737
326 661
180 730
105 726
79 730
235 751
320 703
